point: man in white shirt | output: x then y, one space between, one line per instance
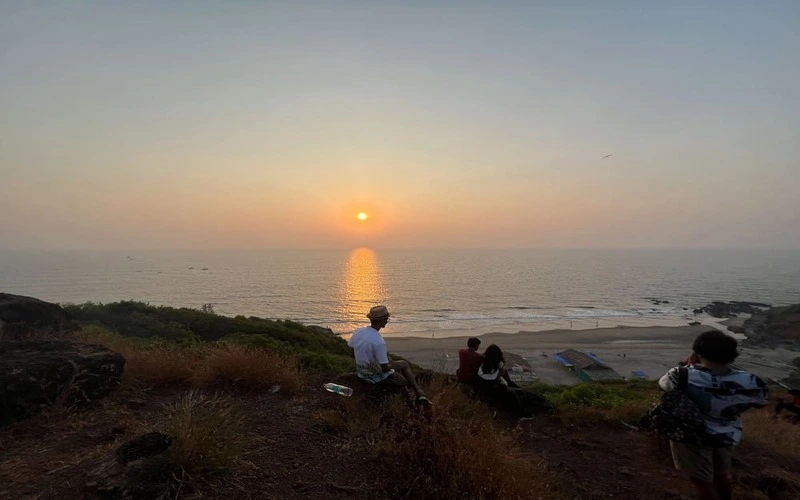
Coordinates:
372 358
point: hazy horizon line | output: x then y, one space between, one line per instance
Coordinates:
376 248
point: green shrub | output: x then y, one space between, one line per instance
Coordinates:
315 361
599 395
315 349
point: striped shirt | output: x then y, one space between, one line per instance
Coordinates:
722 398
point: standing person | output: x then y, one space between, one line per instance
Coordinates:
721 394
469 361
372 358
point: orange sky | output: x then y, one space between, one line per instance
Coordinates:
231 126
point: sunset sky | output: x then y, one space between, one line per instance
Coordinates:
194 124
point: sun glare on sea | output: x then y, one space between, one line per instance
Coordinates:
362 216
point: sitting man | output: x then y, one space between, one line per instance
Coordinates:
372 359
469 360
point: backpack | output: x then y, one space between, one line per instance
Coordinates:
677 416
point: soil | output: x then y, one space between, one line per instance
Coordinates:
292 455
288 455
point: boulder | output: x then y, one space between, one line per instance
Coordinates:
145 446
22 316
138 469
37 375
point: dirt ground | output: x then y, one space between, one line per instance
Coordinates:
612 461
289 454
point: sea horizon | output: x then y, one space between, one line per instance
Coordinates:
430 291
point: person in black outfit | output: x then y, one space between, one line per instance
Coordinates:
497 388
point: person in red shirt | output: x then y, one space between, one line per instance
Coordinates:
469 360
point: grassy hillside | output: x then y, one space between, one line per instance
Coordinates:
242 400
313 347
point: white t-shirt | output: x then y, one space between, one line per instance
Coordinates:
370 351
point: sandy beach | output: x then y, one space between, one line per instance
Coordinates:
652 349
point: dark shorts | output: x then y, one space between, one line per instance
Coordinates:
701 462
396 379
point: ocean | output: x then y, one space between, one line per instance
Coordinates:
430 292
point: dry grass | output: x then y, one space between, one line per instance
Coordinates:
233 366
779 436
207 434
250 369
457 451
162 366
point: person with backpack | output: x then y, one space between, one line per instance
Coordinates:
701 412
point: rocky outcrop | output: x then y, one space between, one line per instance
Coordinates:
22 316
37 375
139 469
145 446
775 327
731 309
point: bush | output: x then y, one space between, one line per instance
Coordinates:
336 363
160 363
591 402
455 452
591 395
242 368
207 434
138 319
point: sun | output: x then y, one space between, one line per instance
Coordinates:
362 216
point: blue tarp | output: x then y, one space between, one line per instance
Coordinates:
562 361
639 374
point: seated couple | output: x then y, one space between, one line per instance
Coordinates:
372 359
488 373
476 368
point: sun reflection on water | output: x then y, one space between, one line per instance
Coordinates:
362 285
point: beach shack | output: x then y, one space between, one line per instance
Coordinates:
586 366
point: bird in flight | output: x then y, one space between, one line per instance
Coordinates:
607 156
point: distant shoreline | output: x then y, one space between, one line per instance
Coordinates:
651 349
566 325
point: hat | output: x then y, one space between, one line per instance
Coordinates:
378 313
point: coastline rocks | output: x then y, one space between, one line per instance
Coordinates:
775 327
38 375
22 316
732 309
